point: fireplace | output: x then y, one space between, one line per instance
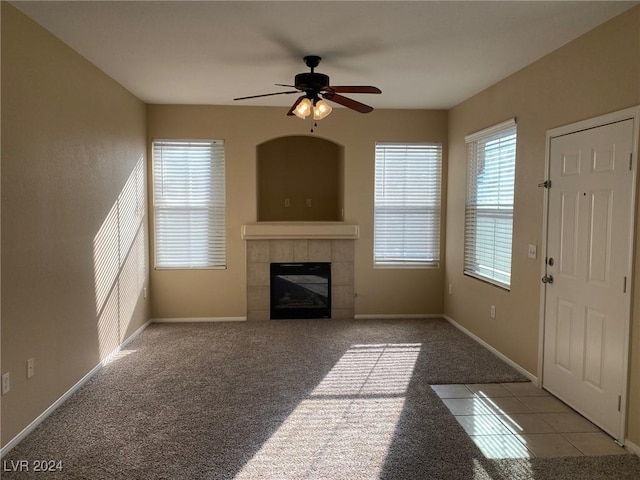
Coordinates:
294 243
300 290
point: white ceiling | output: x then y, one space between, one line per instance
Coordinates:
422 54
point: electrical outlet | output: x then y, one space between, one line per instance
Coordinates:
6 385
493 311
287 202
308 203
31 366
450 289
144 292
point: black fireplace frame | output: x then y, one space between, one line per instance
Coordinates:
321 269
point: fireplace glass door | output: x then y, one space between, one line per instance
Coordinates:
300 290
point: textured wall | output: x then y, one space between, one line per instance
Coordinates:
74 243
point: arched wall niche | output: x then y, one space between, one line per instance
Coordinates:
300 179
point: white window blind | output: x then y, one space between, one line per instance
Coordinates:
189 204
407 204
489 204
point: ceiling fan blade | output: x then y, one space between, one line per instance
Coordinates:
355 89
347 102
293 107
285 85
267 95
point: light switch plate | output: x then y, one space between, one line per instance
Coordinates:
533 251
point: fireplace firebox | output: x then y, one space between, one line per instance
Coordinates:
300 290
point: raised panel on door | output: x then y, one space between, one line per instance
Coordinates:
599 240
568 231
563 336
594 348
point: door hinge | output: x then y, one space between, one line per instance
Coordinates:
619 402
545 184
624 285
631 161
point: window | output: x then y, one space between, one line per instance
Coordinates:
189 204
407 205
489 206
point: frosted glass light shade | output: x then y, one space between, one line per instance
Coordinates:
303 110
321 109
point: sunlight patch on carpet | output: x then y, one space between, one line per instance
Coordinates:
346 425
117 355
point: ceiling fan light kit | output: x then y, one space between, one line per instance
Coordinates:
315 89
320 109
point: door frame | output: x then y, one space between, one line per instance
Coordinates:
632 113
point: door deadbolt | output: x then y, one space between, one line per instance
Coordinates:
550 261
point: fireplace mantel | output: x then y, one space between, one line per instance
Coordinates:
300 230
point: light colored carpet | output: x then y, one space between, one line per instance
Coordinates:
286 399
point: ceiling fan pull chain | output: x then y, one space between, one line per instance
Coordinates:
315 125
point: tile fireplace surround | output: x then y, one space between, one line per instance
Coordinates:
300 242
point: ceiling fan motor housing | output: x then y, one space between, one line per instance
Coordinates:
311 82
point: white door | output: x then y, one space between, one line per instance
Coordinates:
587 306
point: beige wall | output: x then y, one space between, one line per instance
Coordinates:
593 75
221 293
74 234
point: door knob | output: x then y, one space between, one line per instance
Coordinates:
547 279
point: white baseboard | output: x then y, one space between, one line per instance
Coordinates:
632 447
398 316
198 319
40 418
501 356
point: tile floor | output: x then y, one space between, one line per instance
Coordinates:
520 420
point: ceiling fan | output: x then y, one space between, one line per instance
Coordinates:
315 87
